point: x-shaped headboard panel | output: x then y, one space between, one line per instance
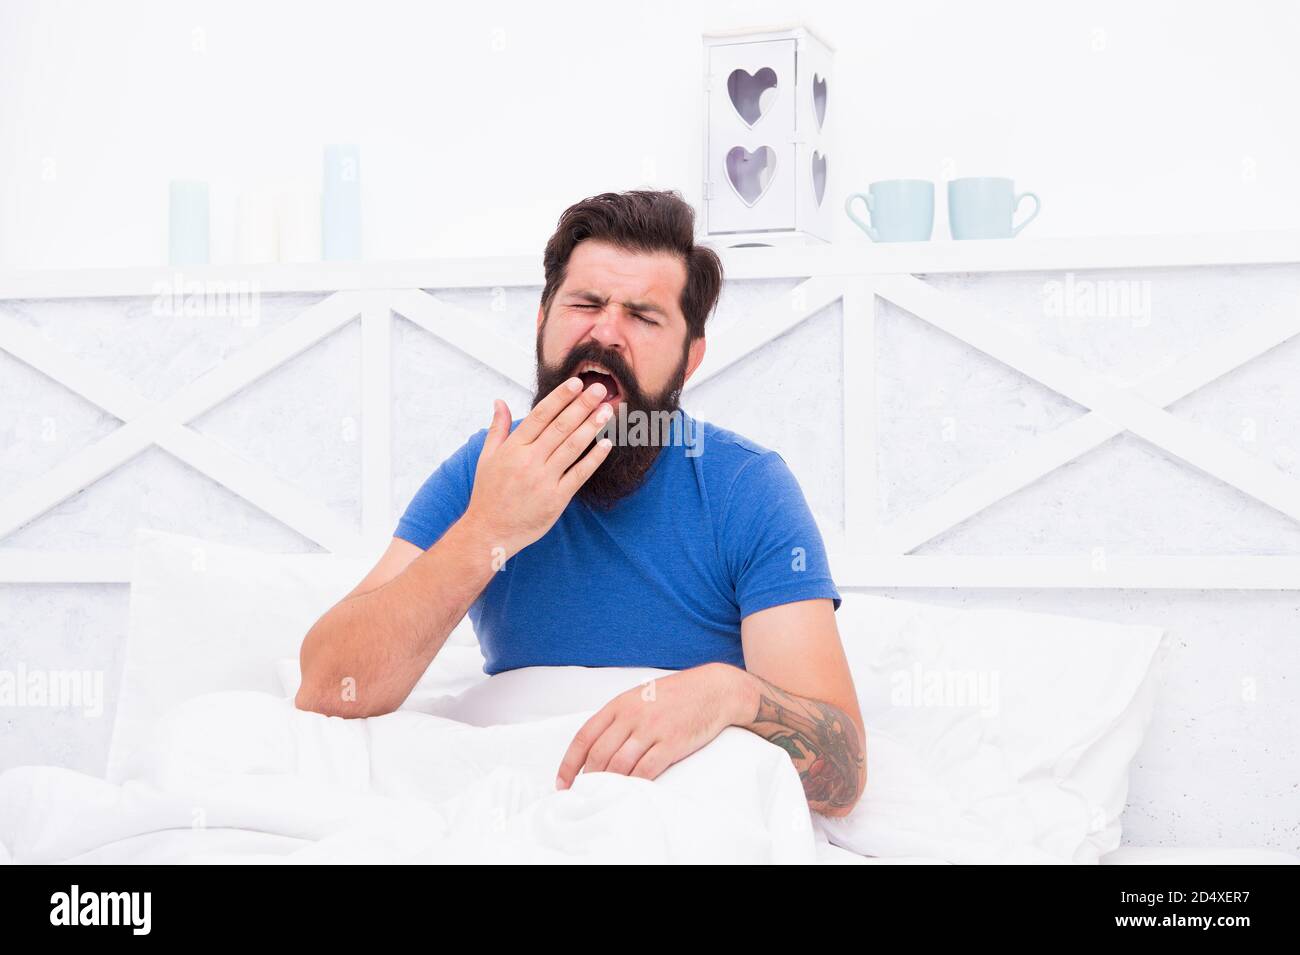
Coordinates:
866 553
1139 409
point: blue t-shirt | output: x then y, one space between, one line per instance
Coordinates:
718 530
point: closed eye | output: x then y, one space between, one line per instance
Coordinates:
648 321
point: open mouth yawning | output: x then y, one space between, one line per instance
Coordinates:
590 372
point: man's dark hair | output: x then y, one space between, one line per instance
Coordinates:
640 220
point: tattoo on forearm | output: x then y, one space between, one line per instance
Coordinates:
822 741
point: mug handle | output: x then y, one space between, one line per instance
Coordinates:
1033 215
864 226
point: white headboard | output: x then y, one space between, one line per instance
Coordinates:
458 303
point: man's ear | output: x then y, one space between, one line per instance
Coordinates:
541 317
694 356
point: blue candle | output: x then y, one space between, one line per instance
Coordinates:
188 225
340 212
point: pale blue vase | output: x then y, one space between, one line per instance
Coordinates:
340 211
188 228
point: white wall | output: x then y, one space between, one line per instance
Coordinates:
480 122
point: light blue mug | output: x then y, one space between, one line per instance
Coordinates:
902 210
982 207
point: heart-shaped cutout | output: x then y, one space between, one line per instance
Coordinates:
751 173
819 176
752 93
819 99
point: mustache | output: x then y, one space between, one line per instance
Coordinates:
609 358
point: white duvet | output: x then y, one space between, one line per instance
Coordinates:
243 776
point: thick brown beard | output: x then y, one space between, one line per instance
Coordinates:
625 467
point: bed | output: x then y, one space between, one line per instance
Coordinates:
211 762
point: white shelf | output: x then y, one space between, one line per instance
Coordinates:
1021 255
855 258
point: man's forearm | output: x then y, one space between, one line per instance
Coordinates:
823 741
364 656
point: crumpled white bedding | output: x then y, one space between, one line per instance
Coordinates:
242 776
210 762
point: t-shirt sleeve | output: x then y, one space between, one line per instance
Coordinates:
770 541
443 497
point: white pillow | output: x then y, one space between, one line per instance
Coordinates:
207 617
1032 768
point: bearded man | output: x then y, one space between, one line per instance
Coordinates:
686 547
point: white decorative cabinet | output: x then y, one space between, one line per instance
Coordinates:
766 158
